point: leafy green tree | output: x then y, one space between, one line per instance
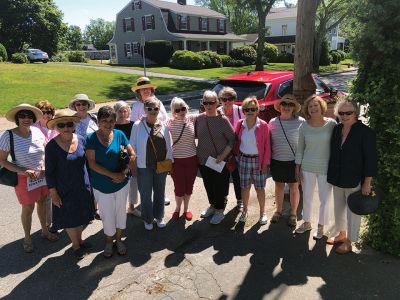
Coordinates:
99 32
35 23
74 38
377 50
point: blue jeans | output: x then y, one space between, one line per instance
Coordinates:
151 184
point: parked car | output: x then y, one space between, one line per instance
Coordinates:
269 86
36 55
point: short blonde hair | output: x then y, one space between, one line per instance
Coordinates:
249 101
321 102
177 103
208 95
227 92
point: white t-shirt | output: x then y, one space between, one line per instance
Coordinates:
248 144
29 152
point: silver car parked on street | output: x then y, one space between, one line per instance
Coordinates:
36 55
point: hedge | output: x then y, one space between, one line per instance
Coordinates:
211 59
187 60
228 61
245 53
159 51
76 56
19 58
3 52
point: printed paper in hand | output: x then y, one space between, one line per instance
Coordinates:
213 165
35 183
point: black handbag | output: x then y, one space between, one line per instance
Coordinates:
123 160
8 177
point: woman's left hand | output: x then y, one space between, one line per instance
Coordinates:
118 177
264 169
366 188
219 159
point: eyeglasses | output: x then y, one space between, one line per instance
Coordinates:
24 116
209 102
81 103
289 104
251 109
152 108
178 110
345 113
47 112
67 124
227 99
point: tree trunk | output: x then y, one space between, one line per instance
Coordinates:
304 85
319 37
261 38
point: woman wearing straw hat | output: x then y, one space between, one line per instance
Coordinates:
72 198
29 145
88 122
284 132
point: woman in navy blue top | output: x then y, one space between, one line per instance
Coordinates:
109 182
68 181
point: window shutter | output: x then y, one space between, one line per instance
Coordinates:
139 48
179 22
153 22
199 23
218 25
126 52
124 25
188 23
132 49
133 24
143 23
208 24
225 26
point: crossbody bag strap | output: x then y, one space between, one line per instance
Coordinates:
151 141
12 145
286 136
212 139
183 128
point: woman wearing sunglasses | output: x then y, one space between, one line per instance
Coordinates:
312 158
29 143
72 199
185 167
215 141
227 97
352 164
284 132
152 143
254 152
88 121
110 184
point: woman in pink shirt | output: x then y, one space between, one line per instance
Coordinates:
254 155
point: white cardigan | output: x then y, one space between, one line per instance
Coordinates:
139 137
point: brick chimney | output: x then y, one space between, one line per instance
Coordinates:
182 2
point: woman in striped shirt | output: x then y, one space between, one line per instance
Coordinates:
184 173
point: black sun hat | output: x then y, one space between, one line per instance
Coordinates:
360 204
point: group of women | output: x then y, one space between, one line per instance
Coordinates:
85 163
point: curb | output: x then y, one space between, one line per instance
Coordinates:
330 73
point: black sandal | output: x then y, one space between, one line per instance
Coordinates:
292 221
276 217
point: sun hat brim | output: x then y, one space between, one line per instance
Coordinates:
10 115
71 105
51 124
284 99
144 86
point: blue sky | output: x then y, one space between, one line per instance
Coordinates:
80 12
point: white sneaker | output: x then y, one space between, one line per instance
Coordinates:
243 217
160 223
208 212
148 226
263 219
166 201
134 212
318 234
217 217
303 228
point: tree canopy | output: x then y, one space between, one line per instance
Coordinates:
30 23
99 32
74 38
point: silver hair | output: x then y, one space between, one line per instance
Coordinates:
178 103
347 101
121 104
151 101
210 95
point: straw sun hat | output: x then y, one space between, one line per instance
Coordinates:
288 98
62 117
10 115
143 83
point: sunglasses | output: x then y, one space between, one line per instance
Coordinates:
67 124
227 99
24 116
178 110
345 113
209 102
289 104
81 104
47 112
251 109
152 108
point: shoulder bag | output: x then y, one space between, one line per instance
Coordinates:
294 154
8 177
183 128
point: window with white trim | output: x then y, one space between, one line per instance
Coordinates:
135 48
204 24
136 5
221 25
128 24
128 50
149 23
284 30
184 23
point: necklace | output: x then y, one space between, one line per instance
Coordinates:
105 140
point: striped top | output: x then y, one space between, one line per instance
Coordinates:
186 146
222 133
86 126
313 148
279 145
29 152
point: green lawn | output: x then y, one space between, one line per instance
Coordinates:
28 83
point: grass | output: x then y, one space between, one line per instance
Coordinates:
27 83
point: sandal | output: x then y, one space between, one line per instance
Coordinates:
344 248
50 236
28 247
292 221
121 248
108 250
276 217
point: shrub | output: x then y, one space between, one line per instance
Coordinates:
159 51
212 59
270 52
245 53
285 58
325 58
76 56
19 58
336 57
59 57
342 54
1 59
228 61
187 60
3 52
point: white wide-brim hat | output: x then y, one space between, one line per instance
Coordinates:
81 97
288 98
10 115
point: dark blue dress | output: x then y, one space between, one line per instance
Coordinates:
67 173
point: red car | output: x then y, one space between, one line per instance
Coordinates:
268 87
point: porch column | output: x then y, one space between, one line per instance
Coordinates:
208 45
184 45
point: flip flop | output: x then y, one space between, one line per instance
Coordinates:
276 217
28 248
50 236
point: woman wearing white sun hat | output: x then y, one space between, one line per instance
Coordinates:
88 123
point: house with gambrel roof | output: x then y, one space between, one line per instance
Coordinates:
188 27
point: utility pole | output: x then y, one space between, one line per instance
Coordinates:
143 43
304 85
